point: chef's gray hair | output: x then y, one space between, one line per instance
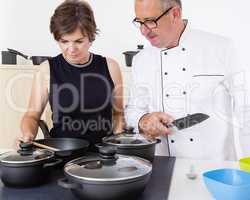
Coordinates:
169 3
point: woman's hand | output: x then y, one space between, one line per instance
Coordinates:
22 138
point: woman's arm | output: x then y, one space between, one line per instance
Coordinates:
118 110
37 102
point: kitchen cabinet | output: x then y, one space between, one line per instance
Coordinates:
15 87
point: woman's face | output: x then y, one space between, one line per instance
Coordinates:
75 47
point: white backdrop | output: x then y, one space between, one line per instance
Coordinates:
25 24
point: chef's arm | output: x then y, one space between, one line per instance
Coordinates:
238 84
241 112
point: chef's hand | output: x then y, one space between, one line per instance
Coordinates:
23 138
154 124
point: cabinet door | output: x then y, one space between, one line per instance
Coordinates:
15 87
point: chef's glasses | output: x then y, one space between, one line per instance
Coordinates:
150 23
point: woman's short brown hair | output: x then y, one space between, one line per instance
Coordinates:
69 16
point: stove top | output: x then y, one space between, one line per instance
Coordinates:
157 188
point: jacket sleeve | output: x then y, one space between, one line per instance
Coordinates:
238 84
139 96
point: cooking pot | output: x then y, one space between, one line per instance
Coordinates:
129 57
131 143
107 176
27 167
36 60
8 58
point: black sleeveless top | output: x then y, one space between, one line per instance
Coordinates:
81 99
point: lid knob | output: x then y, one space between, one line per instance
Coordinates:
140 46
108 155
129 130
26 148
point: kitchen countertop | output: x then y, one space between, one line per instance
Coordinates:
17 67
180 188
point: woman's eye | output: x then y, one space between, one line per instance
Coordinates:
79 42
63 41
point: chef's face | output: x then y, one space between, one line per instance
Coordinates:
75 47
165 33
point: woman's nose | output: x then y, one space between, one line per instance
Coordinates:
72 47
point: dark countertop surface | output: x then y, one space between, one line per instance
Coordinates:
157 188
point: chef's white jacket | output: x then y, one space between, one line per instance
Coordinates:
198 76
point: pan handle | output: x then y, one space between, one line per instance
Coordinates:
65 183
44 127
17 53
52 164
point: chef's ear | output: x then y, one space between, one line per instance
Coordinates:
176 12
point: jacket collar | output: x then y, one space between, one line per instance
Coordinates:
183 37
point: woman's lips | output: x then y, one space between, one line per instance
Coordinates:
73 56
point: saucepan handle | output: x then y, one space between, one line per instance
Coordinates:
65 183
52 164
17 53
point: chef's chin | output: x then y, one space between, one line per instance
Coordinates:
155 44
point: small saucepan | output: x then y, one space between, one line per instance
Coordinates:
36 60
131 143
27 167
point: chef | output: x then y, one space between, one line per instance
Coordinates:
184 71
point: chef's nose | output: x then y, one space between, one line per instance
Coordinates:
144 30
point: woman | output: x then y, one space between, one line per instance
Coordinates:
84 89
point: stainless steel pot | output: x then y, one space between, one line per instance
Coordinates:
26 168
107 176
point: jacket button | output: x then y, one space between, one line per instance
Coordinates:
166 73
184 92
165 53
183 69
167 95
183 49
172 141
191 139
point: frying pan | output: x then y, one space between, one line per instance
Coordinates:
67 147
36 60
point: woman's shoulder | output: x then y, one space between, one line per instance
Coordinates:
114 70
112 64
